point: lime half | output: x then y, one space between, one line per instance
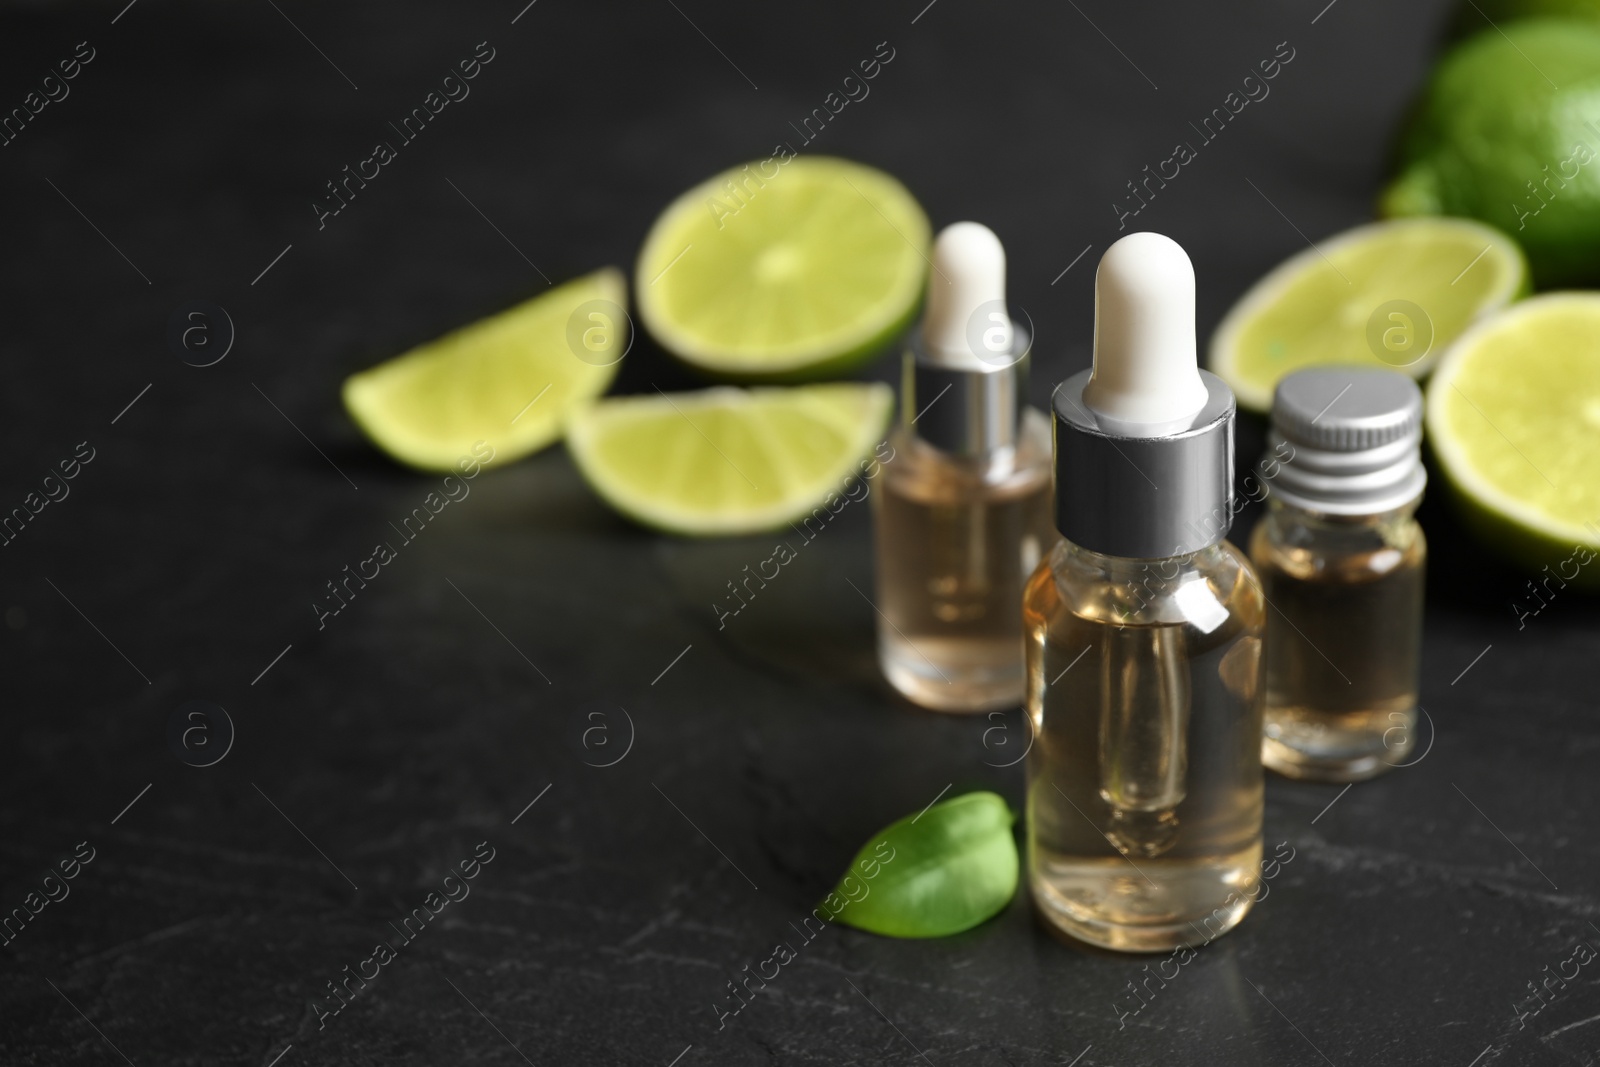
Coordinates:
726 460
1514 417
506 380
784 271
1389 294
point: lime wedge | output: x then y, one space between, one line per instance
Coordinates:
726 460
1389 294
1514 414
506 380
784 271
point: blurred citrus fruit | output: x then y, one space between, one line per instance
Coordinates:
1475 15
1508 131
1387 294
726 460
784 271
507 379
1513 416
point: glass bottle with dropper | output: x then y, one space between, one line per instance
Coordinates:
964 511
1144 797
1342 560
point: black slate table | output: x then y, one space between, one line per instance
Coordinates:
538 682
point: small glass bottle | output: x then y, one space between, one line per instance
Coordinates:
963 515
1145 793
1342 561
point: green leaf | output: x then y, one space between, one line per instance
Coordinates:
937 873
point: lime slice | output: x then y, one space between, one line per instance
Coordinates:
506 380
1389 294
725 460
1514 414
784 271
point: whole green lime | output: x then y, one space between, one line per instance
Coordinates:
1508 131
1475 15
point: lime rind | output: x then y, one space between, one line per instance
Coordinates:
1254 391
1524 532
856 414
429 406
801 345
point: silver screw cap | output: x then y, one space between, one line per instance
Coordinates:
1345 440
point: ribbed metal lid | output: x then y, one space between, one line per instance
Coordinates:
1345 440
1347 409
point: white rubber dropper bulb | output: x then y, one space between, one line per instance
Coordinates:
969 271
1146 377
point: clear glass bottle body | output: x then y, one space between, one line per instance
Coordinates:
1144 780
956 541
1344 642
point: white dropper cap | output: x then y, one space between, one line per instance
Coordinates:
969 271
1146 378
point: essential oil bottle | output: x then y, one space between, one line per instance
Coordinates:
964 511
1342 559
1144 636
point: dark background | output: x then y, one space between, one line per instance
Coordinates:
190 550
